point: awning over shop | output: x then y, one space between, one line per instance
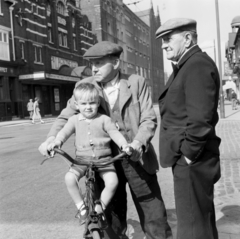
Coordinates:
80 71
229 85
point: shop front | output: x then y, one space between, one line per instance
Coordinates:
10 99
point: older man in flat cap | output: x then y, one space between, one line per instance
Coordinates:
127 101
188 142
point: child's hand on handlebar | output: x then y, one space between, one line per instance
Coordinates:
54 144
127 149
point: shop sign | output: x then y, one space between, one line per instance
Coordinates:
34 76
57 62
60 77
61 21
3 69
6 70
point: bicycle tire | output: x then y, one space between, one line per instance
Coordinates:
96 234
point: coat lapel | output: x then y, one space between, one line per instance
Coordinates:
124 93
103 102
170 80
186 56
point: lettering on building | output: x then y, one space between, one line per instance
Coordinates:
57 62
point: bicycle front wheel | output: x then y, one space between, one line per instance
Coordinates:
96 234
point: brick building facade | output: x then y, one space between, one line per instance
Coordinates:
41 48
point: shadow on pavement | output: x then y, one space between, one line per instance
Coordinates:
230 222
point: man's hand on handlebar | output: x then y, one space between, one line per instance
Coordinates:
137 150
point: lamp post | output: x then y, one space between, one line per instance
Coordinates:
222 111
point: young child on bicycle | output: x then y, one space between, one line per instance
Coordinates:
93 134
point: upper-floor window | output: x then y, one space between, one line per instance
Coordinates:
50 34
4 45
49 10
74 43
37 54
60 8
22 50
62 39
1 14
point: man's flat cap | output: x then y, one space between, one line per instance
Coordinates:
103 48
182 24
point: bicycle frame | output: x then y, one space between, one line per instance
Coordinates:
92 228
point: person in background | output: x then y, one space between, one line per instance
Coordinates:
127 100
234 100
30 108
36 112
188 141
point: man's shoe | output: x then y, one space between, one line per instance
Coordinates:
82 217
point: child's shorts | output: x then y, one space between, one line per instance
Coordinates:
81 169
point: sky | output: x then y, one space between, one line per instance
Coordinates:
203 11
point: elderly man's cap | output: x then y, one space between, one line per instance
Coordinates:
182 24
103 48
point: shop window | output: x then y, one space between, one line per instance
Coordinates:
4 45
1 88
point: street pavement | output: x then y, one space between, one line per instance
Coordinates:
227 189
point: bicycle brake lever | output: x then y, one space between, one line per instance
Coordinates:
51 153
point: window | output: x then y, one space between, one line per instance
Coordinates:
4 45
74 43
60 8
1 88
48 10
50 34
37 54
1 14
62 38
22 50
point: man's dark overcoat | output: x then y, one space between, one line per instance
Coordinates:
188 106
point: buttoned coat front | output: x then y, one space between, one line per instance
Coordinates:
135 106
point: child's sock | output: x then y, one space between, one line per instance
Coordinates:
79 206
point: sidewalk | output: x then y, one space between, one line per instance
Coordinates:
25 121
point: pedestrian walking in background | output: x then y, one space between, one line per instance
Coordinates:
188 142
30 108
36 112
234 100
127 100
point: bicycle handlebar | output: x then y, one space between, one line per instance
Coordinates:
100 163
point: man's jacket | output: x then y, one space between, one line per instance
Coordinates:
188 107
135 106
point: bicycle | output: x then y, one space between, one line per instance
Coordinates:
93 227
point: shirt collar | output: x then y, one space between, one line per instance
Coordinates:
113 83
177 64
81 117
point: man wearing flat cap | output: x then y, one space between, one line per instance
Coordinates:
188 142
127 101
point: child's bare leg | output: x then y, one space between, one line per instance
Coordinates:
71 179
111 182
